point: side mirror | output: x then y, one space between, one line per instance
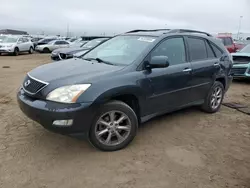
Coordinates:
158 62
19 42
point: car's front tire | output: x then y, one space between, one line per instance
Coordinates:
114 127
16 51
214 98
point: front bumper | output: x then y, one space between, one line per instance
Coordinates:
55 57
6 50
241 70
46 112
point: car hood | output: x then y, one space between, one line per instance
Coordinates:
241 54
73 71
6 44
69 50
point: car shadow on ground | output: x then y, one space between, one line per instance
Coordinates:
48 141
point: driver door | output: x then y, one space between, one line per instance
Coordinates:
170 85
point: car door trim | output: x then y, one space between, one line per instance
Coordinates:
177 90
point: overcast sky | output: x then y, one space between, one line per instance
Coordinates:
114 16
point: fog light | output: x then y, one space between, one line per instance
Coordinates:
68 122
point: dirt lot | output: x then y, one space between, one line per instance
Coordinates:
188 148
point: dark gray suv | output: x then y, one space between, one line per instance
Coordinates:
126 81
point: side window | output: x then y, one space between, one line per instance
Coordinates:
173 48
57 42
210 53
217 51
64 42
20 40
197 49
25 40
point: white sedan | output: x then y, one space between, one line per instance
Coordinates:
53 45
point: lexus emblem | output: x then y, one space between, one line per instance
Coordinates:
27 83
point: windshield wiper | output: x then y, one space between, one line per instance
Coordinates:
98 60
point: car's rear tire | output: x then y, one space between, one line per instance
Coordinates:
31 50
46 50
114 127
16 52
214 98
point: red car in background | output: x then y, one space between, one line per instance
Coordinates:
227 40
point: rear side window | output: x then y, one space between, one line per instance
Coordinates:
216 50
197 49
210 53
173 48
64 42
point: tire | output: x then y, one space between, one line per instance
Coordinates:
127 133
209 106
16 52
31 50
46 50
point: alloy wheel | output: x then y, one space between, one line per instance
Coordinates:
112 128
216 97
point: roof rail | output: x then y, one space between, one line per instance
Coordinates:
147 30
188 31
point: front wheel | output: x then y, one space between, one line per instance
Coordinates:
214 98
16 52
114 126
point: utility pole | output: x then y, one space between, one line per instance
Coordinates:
67 30
238 34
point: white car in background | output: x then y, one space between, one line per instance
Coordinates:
15 45
52 45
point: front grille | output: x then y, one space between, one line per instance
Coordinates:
238 71
32 85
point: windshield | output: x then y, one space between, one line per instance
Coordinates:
246 49
92 43
2 37
10 40
120 50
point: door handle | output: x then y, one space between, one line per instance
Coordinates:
187 70
216 64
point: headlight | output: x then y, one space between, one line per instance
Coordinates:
67 94
9 46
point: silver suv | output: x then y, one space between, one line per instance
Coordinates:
15 45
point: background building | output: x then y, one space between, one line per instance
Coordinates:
12 32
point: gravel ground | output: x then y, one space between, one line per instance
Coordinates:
187 148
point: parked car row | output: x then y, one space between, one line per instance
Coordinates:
67 53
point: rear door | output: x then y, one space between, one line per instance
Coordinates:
205 67
170 85
64 44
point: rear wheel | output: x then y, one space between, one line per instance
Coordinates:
214 98
16 51
46 50
114 126
31 50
